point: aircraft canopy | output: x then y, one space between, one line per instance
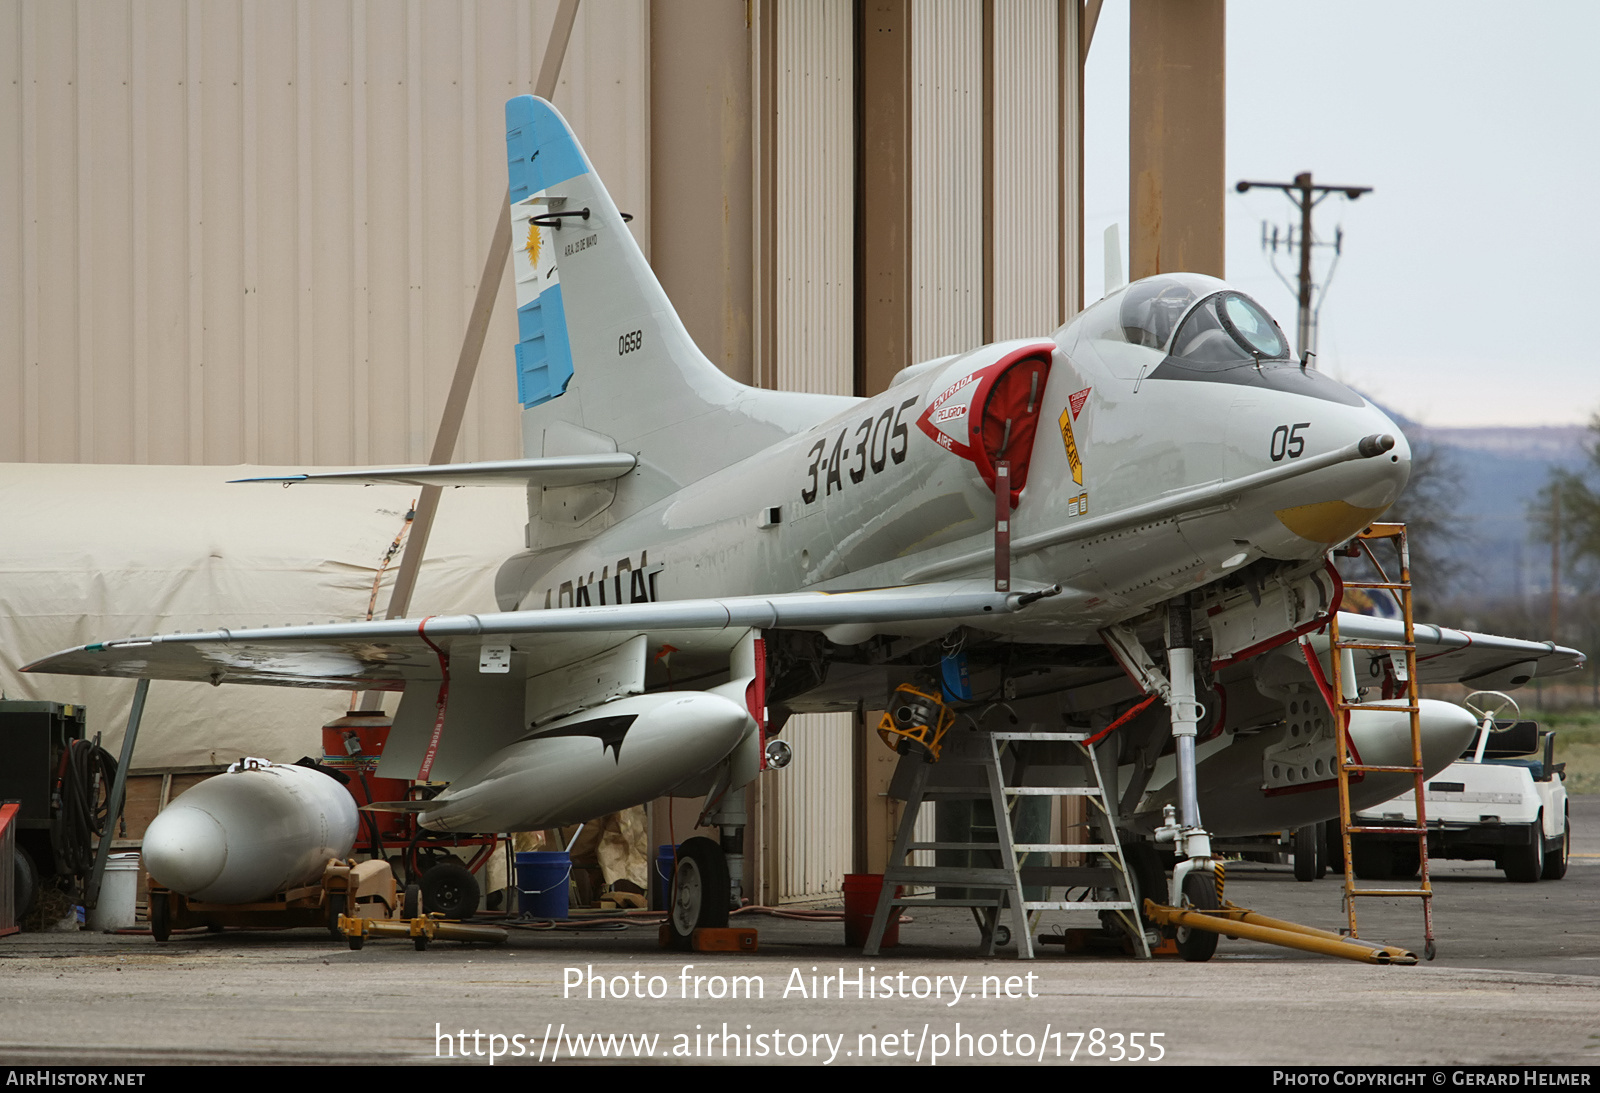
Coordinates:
1227 329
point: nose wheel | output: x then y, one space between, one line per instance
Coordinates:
1199 894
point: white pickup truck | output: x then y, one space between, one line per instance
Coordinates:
1504 800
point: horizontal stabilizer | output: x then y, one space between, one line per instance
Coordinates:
550 471
396 806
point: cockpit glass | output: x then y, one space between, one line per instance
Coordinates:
1255 326
1229 329
1099 321
1151 308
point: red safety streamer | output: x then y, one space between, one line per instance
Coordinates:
444 698
1341 724
1132 713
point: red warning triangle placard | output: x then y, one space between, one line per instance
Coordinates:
1078 400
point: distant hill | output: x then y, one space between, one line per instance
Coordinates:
1500 469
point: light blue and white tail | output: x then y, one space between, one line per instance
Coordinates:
603 360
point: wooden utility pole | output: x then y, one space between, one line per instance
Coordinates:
1306 195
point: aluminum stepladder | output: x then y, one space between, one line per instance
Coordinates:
1344 702
994 888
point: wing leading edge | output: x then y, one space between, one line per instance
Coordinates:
1462 656
385 655
549 471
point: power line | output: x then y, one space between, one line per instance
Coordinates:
1306 195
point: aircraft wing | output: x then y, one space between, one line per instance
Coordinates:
385 655
549 471
1482 661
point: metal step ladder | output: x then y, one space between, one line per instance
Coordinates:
991 889
1350 764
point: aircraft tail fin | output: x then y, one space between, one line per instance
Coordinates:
603 361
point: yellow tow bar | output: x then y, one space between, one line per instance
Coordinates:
1233 921
422 931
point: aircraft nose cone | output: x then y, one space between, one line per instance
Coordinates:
1362 490
185 849
1385 466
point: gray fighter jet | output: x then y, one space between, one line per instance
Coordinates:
706 559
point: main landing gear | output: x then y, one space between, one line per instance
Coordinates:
708 875
699 891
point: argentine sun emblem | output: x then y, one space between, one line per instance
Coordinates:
532 246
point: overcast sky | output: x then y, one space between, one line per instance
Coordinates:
1467 292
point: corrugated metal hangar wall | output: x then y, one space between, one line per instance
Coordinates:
249 231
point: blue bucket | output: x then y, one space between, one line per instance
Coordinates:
661 877
542 877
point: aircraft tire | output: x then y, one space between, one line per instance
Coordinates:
338 904
1307 854
450 889
1525 864
25 883
699 891
160 916
1200 893
1333 846
1405 860
1555 858
1371 859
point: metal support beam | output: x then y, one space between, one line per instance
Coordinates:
883 194
455 407
1176 130
701 133
119 787
1089 16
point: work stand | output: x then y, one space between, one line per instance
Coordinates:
993 766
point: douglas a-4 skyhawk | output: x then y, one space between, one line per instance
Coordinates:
1157 483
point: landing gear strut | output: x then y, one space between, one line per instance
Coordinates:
1193 882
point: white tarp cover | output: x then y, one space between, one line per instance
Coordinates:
90 552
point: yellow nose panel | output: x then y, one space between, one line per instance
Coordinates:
1327 521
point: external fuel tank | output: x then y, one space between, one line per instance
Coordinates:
256 830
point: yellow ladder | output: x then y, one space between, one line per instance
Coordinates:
1350 764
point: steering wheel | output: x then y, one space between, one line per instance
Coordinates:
1490 712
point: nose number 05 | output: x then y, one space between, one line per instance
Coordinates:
1287 441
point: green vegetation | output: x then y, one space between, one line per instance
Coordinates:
1577 745
1569 508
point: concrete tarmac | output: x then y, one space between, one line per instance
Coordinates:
1516 981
